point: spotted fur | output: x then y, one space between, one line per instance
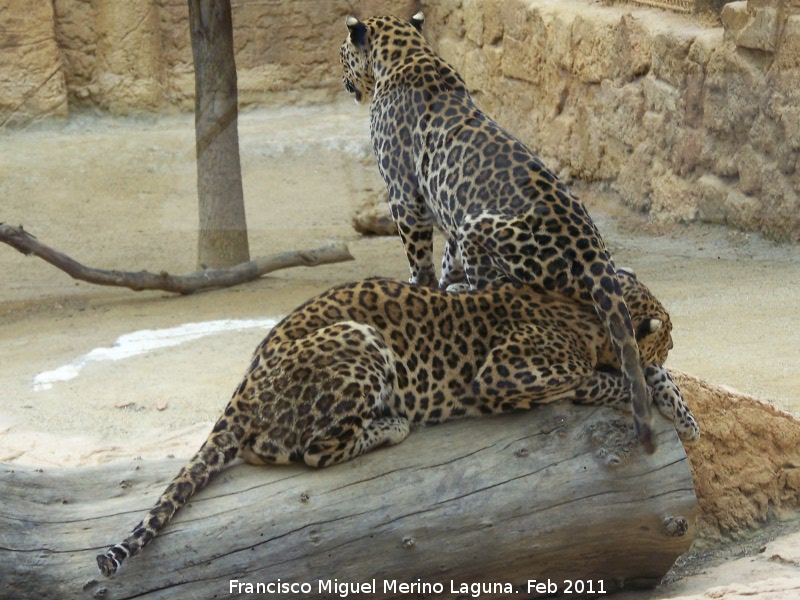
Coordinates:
504 214
359 365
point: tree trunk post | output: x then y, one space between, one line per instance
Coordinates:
222 239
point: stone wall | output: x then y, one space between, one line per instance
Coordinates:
31 75
128 56
689 121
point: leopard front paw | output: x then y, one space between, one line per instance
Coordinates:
457 288
426 278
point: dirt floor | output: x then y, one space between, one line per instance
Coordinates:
120 194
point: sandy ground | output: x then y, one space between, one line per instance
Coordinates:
120 194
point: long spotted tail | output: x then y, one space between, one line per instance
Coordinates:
217 452
618 321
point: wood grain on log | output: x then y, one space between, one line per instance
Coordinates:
559 493
21 240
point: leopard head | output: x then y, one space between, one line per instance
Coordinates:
651 322
376 40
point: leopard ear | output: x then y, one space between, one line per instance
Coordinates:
417 20
647 327
358 31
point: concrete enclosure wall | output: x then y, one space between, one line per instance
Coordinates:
32 81
128 56
689 120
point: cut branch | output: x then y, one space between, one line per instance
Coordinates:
18 238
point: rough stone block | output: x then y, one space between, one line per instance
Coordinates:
620 111
736 87
481 69
586 149
653 124
31 76
519 19
483 23
734 16
524 42
592 45
787 58
686 151
670 52
444 19
780 205
751 170
674 199
761 30
635 181
704 45
559 39
76 36
764 134
660 96
453 51
130 67
742 211
718 156
521 60
712 193
790 120
631 53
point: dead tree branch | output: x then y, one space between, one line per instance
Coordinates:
27 244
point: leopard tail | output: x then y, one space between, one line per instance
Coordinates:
622 338
221 447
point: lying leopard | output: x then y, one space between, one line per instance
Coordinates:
446 163
359 365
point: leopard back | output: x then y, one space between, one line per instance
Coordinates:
358 365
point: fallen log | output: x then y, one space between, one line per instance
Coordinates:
27 244
559 497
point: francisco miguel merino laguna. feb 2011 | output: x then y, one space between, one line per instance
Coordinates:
343 589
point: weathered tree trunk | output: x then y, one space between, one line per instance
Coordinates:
222 240
560 494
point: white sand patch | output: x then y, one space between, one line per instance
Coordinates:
144 341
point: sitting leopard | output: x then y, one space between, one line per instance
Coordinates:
359 365
504 214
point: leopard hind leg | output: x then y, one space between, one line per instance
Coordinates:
357 437
494 246
339 404
477 243
322 399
